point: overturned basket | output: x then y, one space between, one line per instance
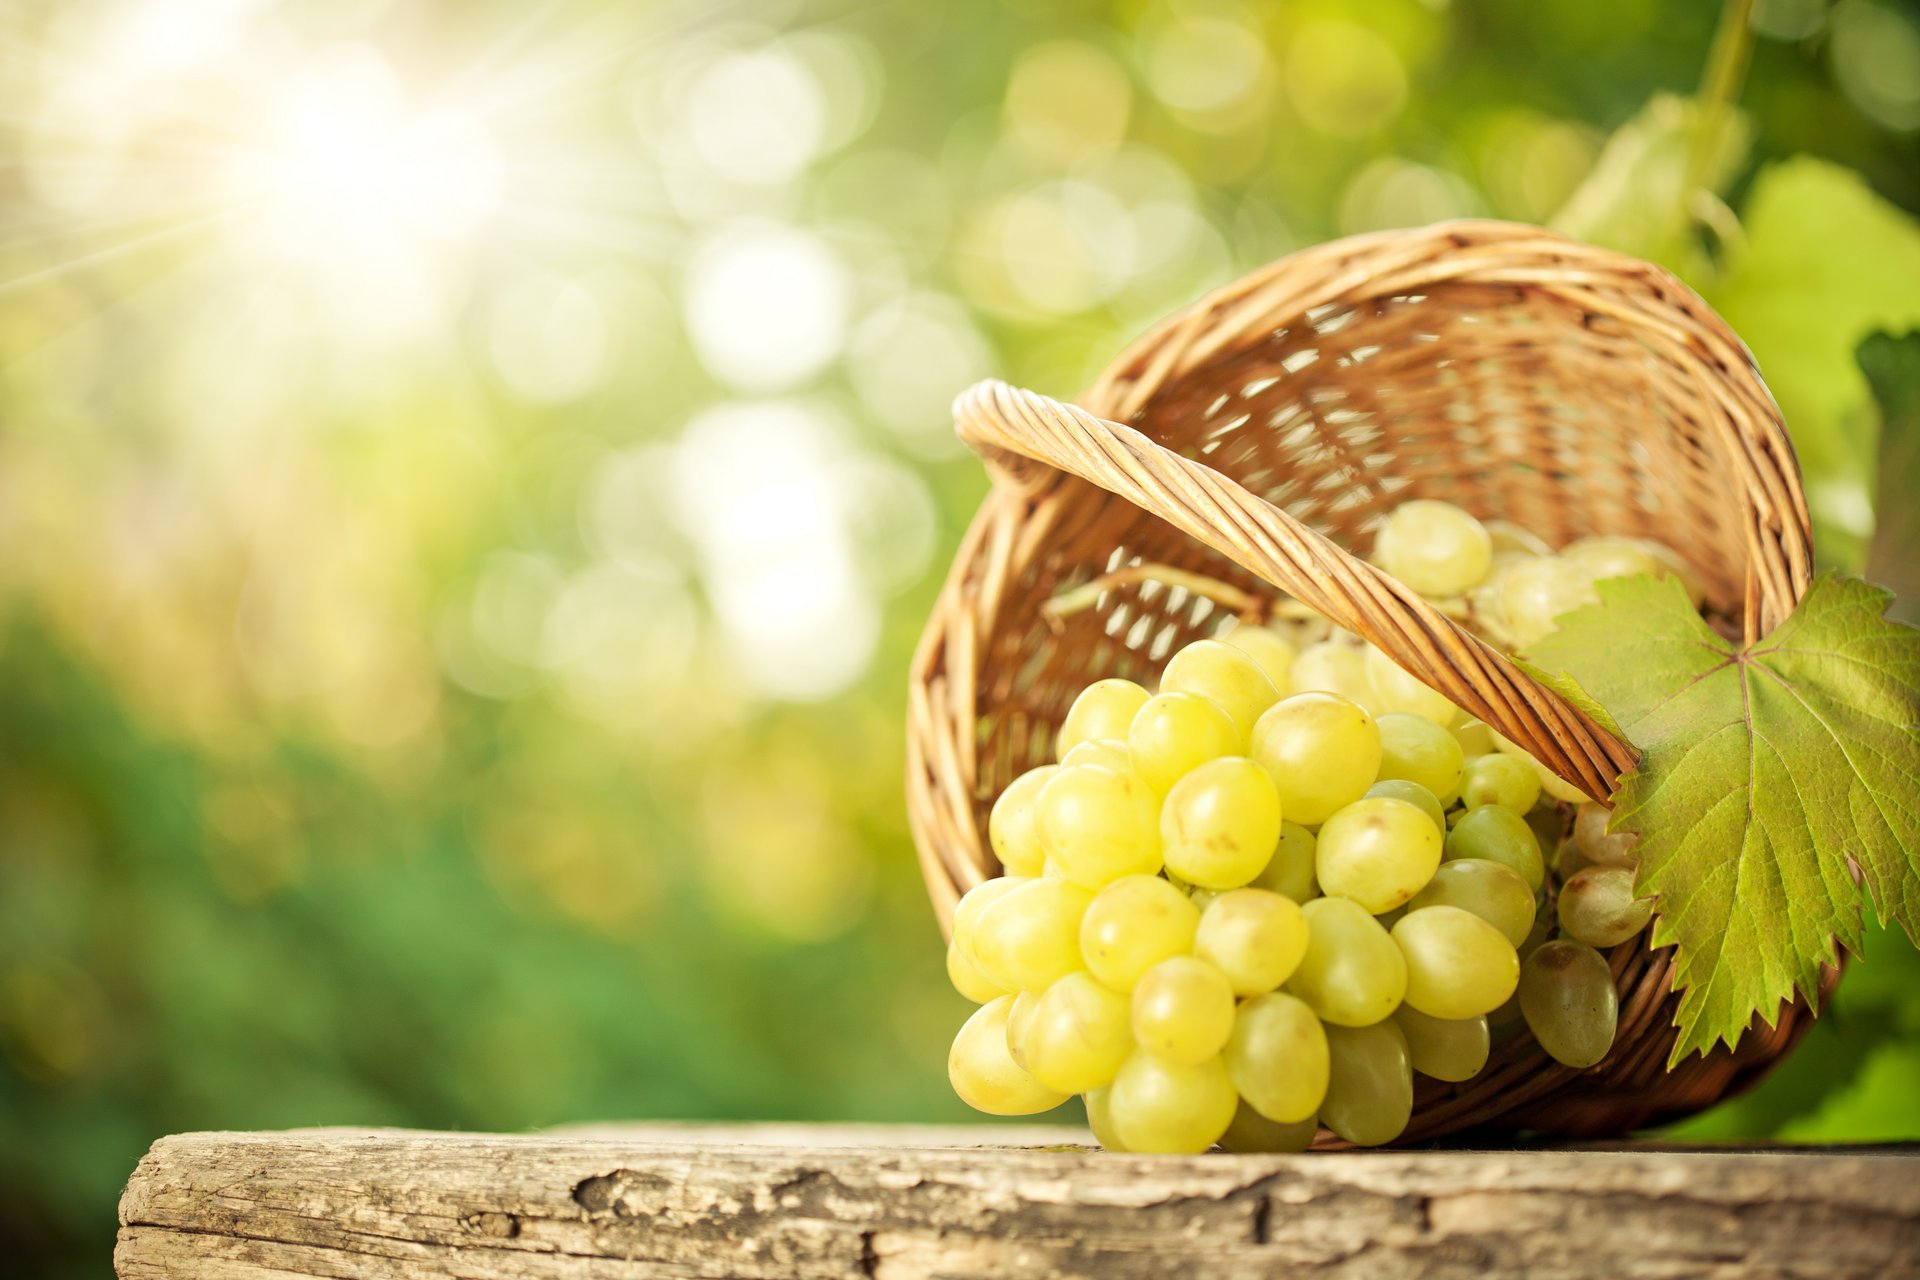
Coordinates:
1499 367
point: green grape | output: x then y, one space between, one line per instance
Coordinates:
1601 847
1543 920
1250 1133
1502 780
1516 540
1616 557
1548 823
1132 925
1012 828
1568 999
1100 1118
1550 782
1397 690
1254 937
1099 824
973 903
967 978
1108 753
1277 1057
1322 751
1333 666
1170 1108
1491 890
1271 651
1418 750
1598 907
1352 973
1104 709
1379 852
1225 676
1458 965
1474 737
1499 835
1019 1018
1176 732
1567 861
1414 794
1078 1035
1030 937
1452 1049
1434 547
1369 1083
1290 871
1535 592
1182 1010
1220 823
1203 898
985 1075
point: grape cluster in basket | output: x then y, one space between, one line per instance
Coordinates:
1257 901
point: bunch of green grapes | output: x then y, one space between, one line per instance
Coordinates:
1259 900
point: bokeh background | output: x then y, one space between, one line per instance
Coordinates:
472 473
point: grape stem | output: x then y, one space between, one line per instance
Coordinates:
1243 604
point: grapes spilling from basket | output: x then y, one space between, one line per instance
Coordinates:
1259 900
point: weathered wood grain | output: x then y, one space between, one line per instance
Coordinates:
806 1202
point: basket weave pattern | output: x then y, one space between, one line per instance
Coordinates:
1273 424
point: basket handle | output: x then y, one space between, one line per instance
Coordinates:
1022 436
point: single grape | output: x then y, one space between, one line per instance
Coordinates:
1322 752
1019 1018
1444 1048
1272 651
1277 1057
985 1075
1132 925
1535 592
1104 709
1434 547
1502 780
973 903
1379 852
1250 1132
1168 1107
1183 1010
1474 737
1516 539
1099 824
1414 794
1290 872
1498 835
1369 1083
1568 999
1396 690
1079 1034
1602 847
1334 666
1012 828
1108 753
1416 749
1100 1118
1220 823
1598 907
1352 973
1491 890
1176 732
1028 938
1224 675
1254 937
1609 556
1458 965
967 978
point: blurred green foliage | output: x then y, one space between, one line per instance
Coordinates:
473 474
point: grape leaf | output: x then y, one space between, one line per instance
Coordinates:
1776 783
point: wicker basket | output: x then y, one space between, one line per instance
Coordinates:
1500 367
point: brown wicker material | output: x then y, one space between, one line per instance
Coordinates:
1501 367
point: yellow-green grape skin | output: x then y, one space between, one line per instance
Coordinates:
1104 709
1078 1035
1543 922
1568 860
1132 925
1414 794
1203 898
1352 973
1601 847
1277 1057
1290 872
1253 937
1568 999
1322 752
1452 1049
1434 547
1013 828
1220 823
1499 835
1176 732
1183 1010
1609 556
985 1075
1499 779
1598 907
1491 890
967 978
967 912
1223 675
1099 824
1550 782
1534 593
1100 1118
1416 749
1512 538
1019 1018
1458 965
1333 666
1250 1133
1027 939
1474 737
1272 652
1378 852
1170 1108
1369 1083
1396 690
1108 753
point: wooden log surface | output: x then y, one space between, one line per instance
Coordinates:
893 1203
